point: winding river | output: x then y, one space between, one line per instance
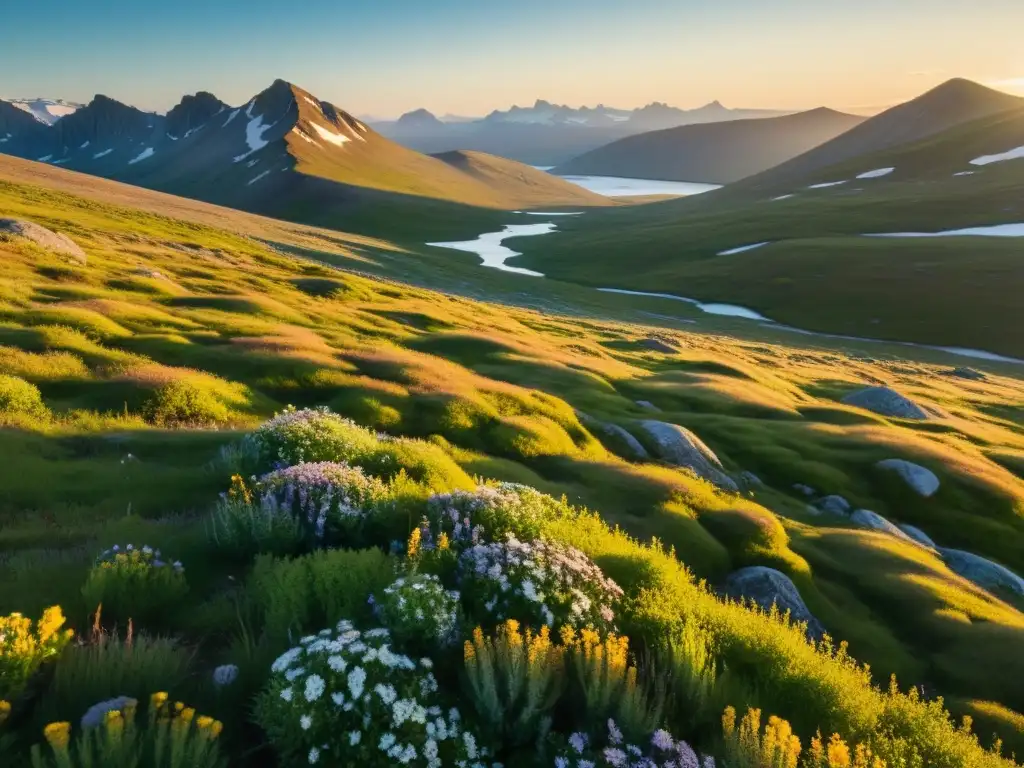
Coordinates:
493 253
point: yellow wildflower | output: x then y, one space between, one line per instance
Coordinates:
838 753
157 700
216 728
187 714
58 735
442 542
413 546
203 722
468 652
5 710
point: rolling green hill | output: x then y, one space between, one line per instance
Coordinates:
814 268
715 153
130 377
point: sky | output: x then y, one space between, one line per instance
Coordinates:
468 57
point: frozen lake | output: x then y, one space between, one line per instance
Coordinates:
614 186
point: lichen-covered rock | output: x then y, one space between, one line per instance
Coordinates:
918 535
678 445
982 572
766 586
923 481
835 505
868 519
55 242
885 401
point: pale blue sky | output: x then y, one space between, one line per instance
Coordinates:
384 57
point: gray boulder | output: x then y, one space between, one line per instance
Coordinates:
967 373
806 490
632 444
918 535
658 345
678 445
885 401
766 586
835 505
923 481
982 572
868 519
750 481
54 242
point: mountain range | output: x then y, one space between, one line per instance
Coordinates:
284 153
46 111
716 153
549 134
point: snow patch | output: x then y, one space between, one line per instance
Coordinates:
252 162
964 173
256 178
61 161
248 108
190 131
144 155
876 174
545 213
337 139
304 136
172 138
360 126
84 145
44 158
312 103
232 116
783 197
999 230
1012 154
827 184
742 248
254 131
104 153
5 139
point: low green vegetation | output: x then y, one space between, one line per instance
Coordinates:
420 416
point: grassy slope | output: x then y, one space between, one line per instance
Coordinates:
717 153
498 386
819 273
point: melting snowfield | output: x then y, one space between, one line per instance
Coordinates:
613 186
876 174
998 230
145 154
743 248
1012 154
254 131
335 138
104 153
827 184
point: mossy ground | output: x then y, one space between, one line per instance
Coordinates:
179 333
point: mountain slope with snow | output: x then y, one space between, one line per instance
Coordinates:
46 111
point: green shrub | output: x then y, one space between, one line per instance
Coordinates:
19 397
185 403
171 737
242 529
333 504
423 462
134 583
344 697
687 671
109 665
419 612
514 680
316 590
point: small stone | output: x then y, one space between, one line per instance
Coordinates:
766 586
868 519
749 480
657 345
46 239
918 535
982 572
806 490
647 405
678 445
967 373
835 505
923 481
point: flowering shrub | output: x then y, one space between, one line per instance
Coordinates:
23 649
661 751
243 528
343 697
18 396
540 583
514 680
489 514
135 583
332 503
419 612
311 434
172 737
